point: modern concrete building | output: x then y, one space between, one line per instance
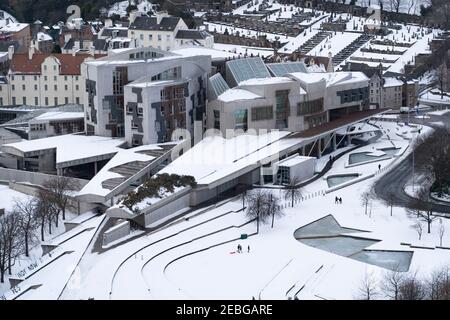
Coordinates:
143 94
289 101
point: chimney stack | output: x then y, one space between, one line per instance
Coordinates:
30 52
10 52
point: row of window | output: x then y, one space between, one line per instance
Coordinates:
36 101
262 113
35 78
38 127
309 107
55 87
171 74
150 37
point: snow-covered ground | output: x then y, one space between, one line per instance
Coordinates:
242 50
406 6
120 8
196 258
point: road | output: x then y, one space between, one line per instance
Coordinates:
395 180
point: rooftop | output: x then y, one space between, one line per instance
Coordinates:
70 147
237 94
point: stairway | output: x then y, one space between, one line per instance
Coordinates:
350 49
313 42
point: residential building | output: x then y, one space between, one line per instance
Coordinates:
165 32
20 32
392 93
38 79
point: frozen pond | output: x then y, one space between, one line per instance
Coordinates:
393 260
326 226
339 179
326 234
341 245
367 156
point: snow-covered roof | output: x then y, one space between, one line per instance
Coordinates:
14 27
392 82
124 156
42 36
59 115
198 50
331 78
264 81
237 94
70 147
293 161
232 157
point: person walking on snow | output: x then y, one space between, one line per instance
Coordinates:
248 249
379 167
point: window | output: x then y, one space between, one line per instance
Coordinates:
262 113
159 37
45 67
66 87
14 101
36 101
66 100
77 100
140 111
150 37
35 87
120 78
134 125
35 78
1 101
45 78
217 119
55 87
55 78
65 78
24 100
54 68
46 101
309 107
240 119
141 36
23 78
23 87
77 87
76 78
56 101
45 87
13 87
12 78
282 108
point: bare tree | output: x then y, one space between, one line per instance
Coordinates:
292 191
368 289
44 210
391 283
273 208
424 207
438 286
432 156
26 211
390 201
255 205
418 228
10 245
59 191
395 5
412 288
441 233
442 75
365 200
263 205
